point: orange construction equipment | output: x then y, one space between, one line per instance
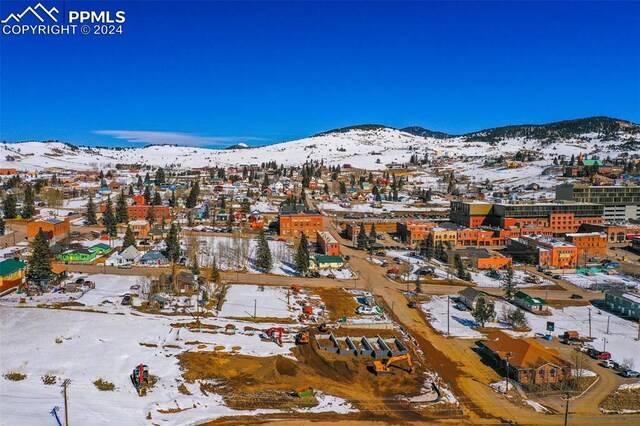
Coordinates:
296 288
308 310
383 367
302 338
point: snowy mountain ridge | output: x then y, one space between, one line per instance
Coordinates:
367 146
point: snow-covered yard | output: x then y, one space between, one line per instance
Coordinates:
104 339
600 280
232 254
269 302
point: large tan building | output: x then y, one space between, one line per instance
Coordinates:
621 202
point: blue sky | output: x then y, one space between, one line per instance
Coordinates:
214 73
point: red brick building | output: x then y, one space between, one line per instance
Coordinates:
590 244
294 220
52 227
530 363
141 212
327 242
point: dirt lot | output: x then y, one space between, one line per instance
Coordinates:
338 302
248 382
626 399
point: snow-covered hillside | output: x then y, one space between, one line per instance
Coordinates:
369 149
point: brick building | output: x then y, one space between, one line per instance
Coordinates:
141 211
328 244
551 252
559 217
590 244
52 227
413 231
294 220
529 362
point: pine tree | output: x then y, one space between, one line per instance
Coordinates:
122 215
2 225
418 284
40 261
173 199
129 238
373 235
156 199
91 211
215 272
160 177
109 220
131 193
509 283
151 216
264 260
147 195
362 239
10 210
460 272
139 183
428 247
192 199
484 311
173 245
28 207
302 255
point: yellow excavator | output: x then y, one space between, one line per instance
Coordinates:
382 368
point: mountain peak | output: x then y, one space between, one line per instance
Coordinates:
364 127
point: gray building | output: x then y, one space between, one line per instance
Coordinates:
623 302
621 202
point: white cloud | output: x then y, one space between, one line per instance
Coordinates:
173 138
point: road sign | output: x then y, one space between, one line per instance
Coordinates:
551 326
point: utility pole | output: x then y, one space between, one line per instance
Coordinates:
448 316
566 410
508 357
66 403
255 307
608 318
589 322
604 344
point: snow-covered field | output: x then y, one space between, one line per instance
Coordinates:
385 207
83 346
620 339
237 254
269 302
600 279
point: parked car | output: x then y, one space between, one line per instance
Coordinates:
381 253
549 273
609 363
74 234
557 276
331 276
412 304
347 258
384 264
366 310
596 354
630 373
126 299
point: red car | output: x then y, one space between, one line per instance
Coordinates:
604 355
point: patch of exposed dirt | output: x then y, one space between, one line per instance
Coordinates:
247 382
337 302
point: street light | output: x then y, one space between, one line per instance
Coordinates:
604 344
